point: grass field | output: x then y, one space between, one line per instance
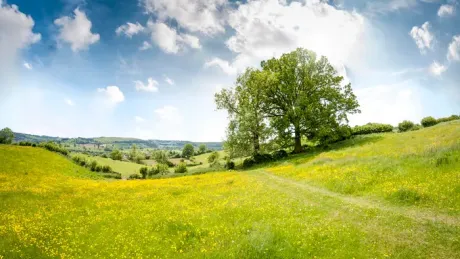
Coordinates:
122 167
392 195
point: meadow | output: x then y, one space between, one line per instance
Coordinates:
392 195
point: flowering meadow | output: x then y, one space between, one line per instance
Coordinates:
392 195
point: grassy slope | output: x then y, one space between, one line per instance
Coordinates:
123 167
264 213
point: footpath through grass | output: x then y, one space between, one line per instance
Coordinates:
53 208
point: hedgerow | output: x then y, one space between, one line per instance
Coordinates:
371 128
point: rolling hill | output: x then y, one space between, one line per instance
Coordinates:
394 195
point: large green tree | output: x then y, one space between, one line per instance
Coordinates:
248 127
308 97
6 136
188 151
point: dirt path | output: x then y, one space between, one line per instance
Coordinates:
416 214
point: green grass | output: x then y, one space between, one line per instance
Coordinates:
381 196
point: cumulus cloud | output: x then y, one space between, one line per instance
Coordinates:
15 34
76 31
28 65
222 64
168 80
145 46
151 86
422 36
265 29
129 29
197 16
69 102
437 69
112 94
168 113
169 40
446 10
453 52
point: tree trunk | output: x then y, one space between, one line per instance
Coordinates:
255 141
297 141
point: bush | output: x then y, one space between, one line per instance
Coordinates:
416 127
181 168
107 169
134 176
158 169
98 168
230 165
450 118
51 146
213 157
104 155
25 143
333 135
248 162
428 121
405 126
92 166
262 158
116 155
371 128
279 154
143 171
114 175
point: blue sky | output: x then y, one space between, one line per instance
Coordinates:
150 68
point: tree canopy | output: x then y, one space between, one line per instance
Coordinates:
6 136
295 96
188 151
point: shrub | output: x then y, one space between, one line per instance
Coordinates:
230 165
98 168
279 154
116 154
158 169
248 162
213 157
134 176
180 168
429 121
51 146
450 118
143 171
372 128
92 166
405 126
106 169
416 127
333 135
6 136
262 158
104 155
114 175
25 143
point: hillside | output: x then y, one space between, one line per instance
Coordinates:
390 195
117 142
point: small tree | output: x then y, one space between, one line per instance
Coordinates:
6 136
116 154
213 157
181 168
202 149
160 156
133 153
405 126
188 151
143 171
429 121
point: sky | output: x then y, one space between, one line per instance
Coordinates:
150 68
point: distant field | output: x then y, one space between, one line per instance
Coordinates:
125 168
393 195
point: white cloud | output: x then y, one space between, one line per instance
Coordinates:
388 6
112 93
453 53
197 16
28 65
169 40
130 29
446 10
422 36
222 64
168 80
76 31
139 119
69 102
145 46
405 99
15 34
169 113
437 69
265 29
151 86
